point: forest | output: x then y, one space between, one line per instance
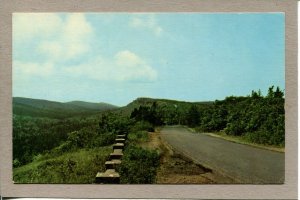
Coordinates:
71 147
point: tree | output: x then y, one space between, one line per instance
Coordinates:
149 114
193 116
255 94
278 93
270 92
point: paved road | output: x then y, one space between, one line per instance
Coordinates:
244 163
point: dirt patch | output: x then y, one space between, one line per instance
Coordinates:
153 143
175 169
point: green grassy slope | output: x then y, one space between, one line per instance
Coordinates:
92 106
79 166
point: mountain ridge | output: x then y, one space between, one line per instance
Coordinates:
54 109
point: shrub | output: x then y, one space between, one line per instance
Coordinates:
16 163
142 126
139 165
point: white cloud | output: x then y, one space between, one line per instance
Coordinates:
128 59
124 66
131 66
75 36
70 37
73 40
27 26
53 49
146 22
59 39
28 68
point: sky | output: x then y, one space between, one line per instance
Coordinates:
118 57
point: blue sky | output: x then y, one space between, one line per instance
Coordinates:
118 57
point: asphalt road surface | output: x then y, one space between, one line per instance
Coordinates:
243 163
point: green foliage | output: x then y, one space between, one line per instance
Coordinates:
138 165
139 132
87 138
167 112
142 126
32 136
76 167
258 119
192 117
255 94
114 123
16 163
147 113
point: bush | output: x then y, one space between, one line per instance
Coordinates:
114 123
16 163
260 137
103 140
139 165
142 126
256 118
85 138
235 128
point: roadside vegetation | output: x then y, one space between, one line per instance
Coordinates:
73 150
254 118
139 165
79 166
76 159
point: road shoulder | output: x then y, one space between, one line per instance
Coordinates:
238 140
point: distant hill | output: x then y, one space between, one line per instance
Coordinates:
145 101
149 101
92 106
53 109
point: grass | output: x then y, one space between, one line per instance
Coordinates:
241 140
138 137
80 166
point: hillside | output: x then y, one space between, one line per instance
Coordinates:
161 103
93 106
51 109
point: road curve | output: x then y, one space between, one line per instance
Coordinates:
243 163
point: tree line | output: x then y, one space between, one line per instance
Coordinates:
257 118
